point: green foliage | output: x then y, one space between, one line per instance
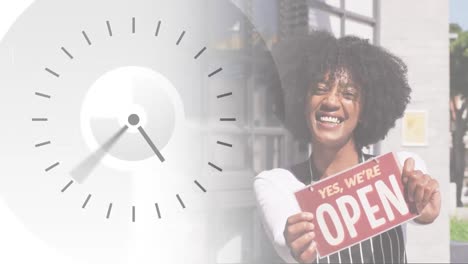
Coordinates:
458 230
459 62
455 28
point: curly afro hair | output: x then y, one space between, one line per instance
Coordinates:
382 77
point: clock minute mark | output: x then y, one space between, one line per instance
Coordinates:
40 119
200 186
52 166
66 186
42 144
109 28
214 166
86 37
86 201
215 72
133 25
224 95
227 119
180 38
224 144
200 53
180 201
157 210
52 72
67 53
43 95
157 28
109 209
133 214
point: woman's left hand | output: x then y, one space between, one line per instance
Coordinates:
423 191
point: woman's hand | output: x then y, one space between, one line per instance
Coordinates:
423 190
299 235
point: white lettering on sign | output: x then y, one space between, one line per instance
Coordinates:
327 208
395 198
349 220
368 209
349 211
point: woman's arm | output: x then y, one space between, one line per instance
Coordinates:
274 191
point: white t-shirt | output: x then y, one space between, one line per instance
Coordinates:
274 190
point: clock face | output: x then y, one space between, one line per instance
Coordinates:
110 113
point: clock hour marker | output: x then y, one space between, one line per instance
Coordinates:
40 119
86 37
224 95
230 119
52 166
157 28
214 166
66 186
133 214
109 28
42 144
52 72
67 53
86 201
180 38
180 201
200 186
200 53
43 95
157 210
133 25
224 144
109 211
215 72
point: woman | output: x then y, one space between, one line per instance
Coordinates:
341 95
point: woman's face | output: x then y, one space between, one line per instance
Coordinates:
333 108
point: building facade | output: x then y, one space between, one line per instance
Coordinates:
421 40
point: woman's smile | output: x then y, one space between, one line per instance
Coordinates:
328 120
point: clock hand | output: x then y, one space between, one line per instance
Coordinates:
153 147
84 169
134 120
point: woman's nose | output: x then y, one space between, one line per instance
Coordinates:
332 99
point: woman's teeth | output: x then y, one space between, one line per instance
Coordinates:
330 119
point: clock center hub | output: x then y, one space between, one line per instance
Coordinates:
135 97
133 119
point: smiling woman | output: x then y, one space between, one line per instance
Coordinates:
340 95
361 72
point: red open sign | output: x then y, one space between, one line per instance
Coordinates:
356 204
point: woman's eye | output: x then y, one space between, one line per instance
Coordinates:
350 94
321 88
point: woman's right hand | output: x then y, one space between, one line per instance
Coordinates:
299 235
